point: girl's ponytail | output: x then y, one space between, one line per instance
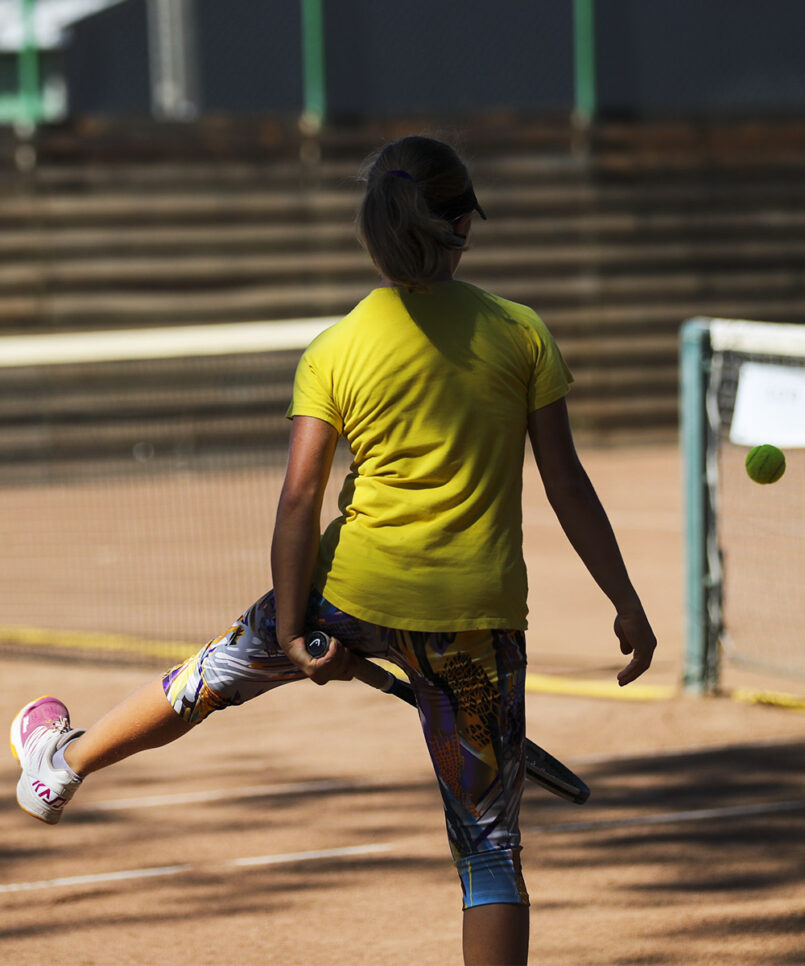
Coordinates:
414 188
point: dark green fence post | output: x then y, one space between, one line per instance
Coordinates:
313 64
584 60
29 99
702 584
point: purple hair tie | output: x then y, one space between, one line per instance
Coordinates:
401 174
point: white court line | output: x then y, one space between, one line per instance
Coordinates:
671 818
345 852
217 795
90 879
307 856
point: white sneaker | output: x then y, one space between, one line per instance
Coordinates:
38 730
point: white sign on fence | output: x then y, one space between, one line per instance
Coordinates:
769 406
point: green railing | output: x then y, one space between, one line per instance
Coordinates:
26 106
313 64
702 585
584 60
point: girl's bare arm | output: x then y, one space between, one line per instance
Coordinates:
584 521
296 544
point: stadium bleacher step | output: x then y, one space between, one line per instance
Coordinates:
260 203
764 262
615 237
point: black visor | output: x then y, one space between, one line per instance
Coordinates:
463 204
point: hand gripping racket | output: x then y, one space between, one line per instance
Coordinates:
539 765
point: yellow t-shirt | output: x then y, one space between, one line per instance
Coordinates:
432 393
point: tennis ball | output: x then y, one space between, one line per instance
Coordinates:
765 464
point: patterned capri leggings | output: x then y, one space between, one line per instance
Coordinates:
469 688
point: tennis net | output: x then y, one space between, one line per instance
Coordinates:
743 385
139 476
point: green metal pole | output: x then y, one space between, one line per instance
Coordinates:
29 100
313 64
584 60
694 353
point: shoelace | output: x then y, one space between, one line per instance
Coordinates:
60 726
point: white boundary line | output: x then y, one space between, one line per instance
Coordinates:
167 870
308 856
90 879
672 818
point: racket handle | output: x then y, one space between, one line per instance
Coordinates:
317 643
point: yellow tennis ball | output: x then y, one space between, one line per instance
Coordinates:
765 464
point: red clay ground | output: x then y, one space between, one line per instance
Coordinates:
690 851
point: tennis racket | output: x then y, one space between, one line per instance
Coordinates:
539 765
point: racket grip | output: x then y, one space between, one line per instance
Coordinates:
317 643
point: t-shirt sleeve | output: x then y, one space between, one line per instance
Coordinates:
550 377
313 392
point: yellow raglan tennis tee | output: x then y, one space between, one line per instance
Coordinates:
432 393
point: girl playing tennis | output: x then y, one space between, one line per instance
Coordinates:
435 384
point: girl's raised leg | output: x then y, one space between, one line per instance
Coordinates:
143 720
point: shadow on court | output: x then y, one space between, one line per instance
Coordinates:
708 845
698 780
677 858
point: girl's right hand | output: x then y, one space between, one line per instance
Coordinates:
336 665
636 638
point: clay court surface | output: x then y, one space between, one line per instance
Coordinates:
305 828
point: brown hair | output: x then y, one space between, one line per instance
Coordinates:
408 184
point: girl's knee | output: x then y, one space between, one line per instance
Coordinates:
232 669
492 876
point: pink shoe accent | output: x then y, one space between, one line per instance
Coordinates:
46 711
37 732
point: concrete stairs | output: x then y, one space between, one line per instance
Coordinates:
615 239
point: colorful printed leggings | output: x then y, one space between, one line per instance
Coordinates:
470 692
